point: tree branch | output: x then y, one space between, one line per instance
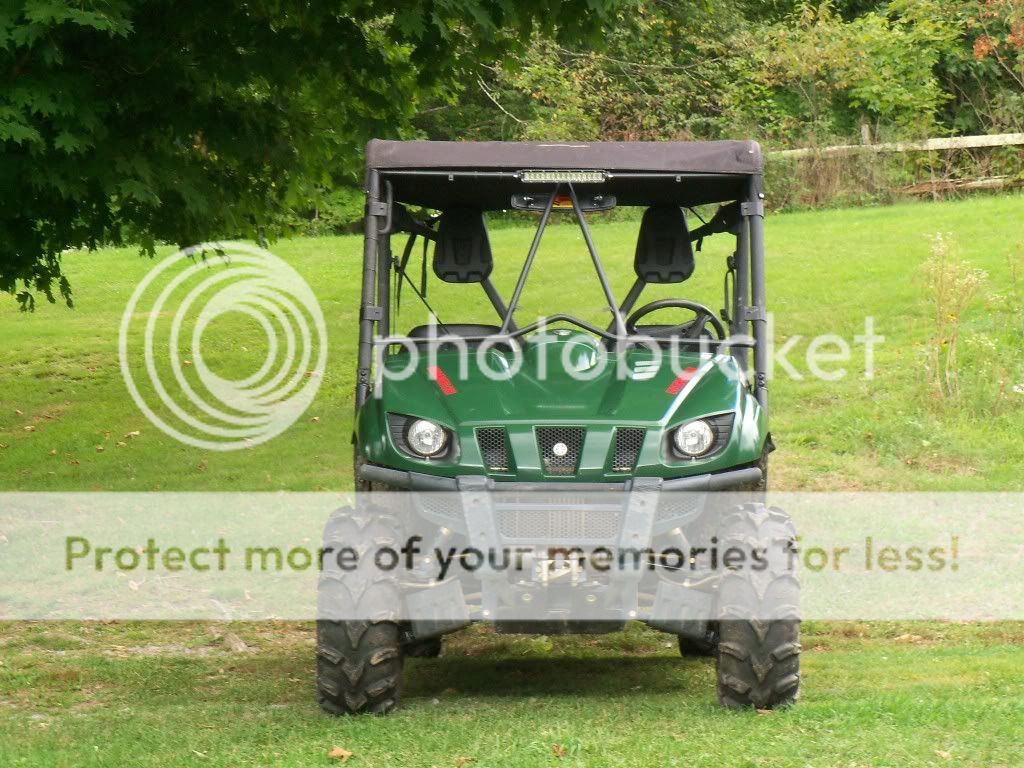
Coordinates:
495 102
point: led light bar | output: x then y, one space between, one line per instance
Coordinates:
566 177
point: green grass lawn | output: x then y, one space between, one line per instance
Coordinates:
158 695
874 695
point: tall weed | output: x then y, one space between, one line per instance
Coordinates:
952 284
975 359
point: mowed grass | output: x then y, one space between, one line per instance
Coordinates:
160 695
185 694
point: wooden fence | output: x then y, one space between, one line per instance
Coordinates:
954 142
934 186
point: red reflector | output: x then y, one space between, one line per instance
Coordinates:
681 381
443 382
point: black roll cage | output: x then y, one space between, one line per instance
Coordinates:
743 218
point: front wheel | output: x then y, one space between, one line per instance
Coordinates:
358 648
759 625
359 667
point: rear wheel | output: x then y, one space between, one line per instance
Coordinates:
759 626
700 646
424 649
358 649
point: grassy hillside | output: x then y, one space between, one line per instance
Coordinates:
59 373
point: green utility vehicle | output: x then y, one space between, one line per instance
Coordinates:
562 435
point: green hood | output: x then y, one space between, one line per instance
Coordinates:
489 388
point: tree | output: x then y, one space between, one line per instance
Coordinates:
181 120
659 74
816 76
985 75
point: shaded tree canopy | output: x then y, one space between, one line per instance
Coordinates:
180 120
148 121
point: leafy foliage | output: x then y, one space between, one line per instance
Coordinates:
817 75
150 120
984 74
147 120
658 74
785 72
788 73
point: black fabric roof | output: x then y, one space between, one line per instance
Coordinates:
726 157
481 175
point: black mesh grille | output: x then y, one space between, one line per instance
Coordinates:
493 448
440 504
628 442
560 449
549 525
679 504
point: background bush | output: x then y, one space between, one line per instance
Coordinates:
789 74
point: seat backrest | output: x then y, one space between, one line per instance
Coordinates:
664 253
463 251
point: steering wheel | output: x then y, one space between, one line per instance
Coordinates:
693 329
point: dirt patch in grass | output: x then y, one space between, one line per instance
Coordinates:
943 465
170 649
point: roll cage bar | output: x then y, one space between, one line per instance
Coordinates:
744 219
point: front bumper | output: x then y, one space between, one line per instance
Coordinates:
544 521
734 479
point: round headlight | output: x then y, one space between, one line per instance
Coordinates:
426 438
694 439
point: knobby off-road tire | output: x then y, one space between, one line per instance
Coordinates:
759 625
359 659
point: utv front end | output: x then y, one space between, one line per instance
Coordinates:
560 475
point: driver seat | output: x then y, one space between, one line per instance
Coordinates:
664 253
